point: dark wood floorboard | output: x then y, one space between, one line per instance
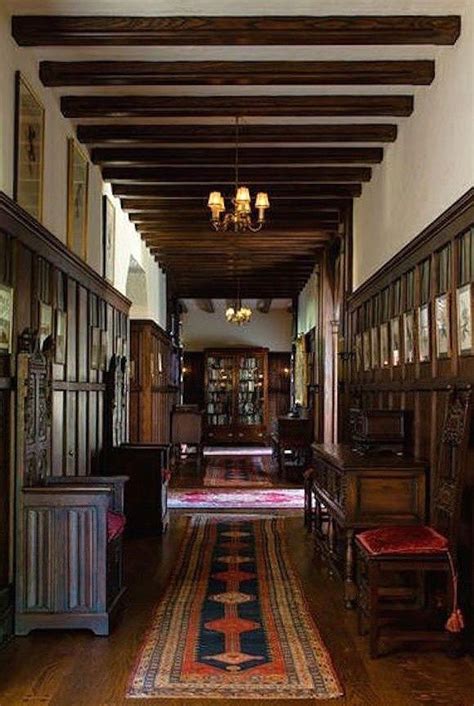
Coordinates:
78 669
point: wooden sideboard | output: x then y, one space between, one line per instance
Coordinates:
354 491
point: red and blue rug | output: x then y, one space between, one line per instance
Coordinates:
238 472
236 499
233 623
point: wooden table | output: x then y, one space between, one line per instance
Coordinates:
359 491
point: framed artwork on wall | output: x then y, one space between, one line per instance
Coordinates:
60 337
77 199
442 326
108 238
374 345
95 348
408 337
104 350
424 333
464 320
366 349
384 345
6 318
395 346
45 327
358 352
29 149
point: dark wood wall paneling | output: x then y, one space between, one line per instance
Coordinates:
153 382
42 271
438 261
193 378
279 376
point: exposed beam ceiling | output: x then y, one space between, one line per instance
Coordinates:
318 97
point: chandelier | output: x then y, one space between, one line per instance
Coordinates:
239 219
238 314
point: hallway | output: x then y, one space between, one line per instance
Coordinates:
77 669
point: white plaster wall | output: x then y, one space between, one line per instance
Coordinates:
202 330
430 165
308 305
57 132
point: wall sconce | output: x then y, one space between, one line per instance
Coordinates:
286 371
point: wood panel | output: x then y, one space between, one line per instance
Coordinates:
154 382
195 31
41 270
436 263
279 365
193 378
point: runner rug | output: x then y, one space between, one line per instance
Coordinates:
203 498
238 472
233 622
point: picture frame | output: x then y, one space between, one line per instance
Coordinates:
77 199
95 348
104 350
28 148
60 337
108 239
374 347
366 350
45 323
409 337
464 319
384 346
6 319
118 346
424 333
358 352
395 343
442 326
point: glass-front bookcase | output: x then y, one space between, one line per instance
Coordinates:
236 392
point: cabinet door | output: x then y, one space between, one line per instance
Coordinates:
250 390
219 390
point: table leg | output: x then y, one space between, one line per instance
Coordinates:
349 584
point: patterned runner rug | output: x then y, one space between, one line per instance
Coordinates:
251 499
238 472
233 622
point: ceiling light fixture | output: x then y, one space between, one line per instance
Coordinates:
240 218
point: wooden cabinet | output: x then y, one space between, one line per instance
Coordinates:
236 395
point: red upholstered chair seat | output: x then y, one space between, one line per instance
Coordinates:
166 475
403 540
115 524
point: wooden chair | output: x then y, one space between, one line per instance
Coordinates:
68 564
383 554
186 428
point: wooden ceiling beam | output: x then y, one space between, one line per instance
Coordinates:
134 204
256 156
46 30
180 216
263 305
236 73
184 192
132 134
206 305
210 106
226 175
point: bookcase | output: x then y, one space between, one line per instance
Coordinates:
236 395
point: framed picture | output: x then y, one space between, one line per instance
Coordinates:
409 337
374 345
45 327
95 348
104 350
29 149
464 320
366 349
358 352
118 346
442 326
77 197
6 318
60 337
384 347
108 235
395 346
424 333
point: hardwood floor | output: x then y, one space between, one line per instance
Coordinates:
77 669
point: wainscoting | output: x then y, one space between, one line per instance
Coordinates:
46 276
391 373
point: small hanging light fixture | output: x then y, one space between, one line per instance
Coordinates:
240 218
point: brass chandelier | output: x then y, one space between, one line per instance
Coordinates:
240 218
238 314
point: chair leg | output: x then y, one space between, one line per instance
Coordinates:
373 578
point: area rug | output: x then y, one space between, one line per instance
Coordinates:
237 451
238 472
201 498
233 623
